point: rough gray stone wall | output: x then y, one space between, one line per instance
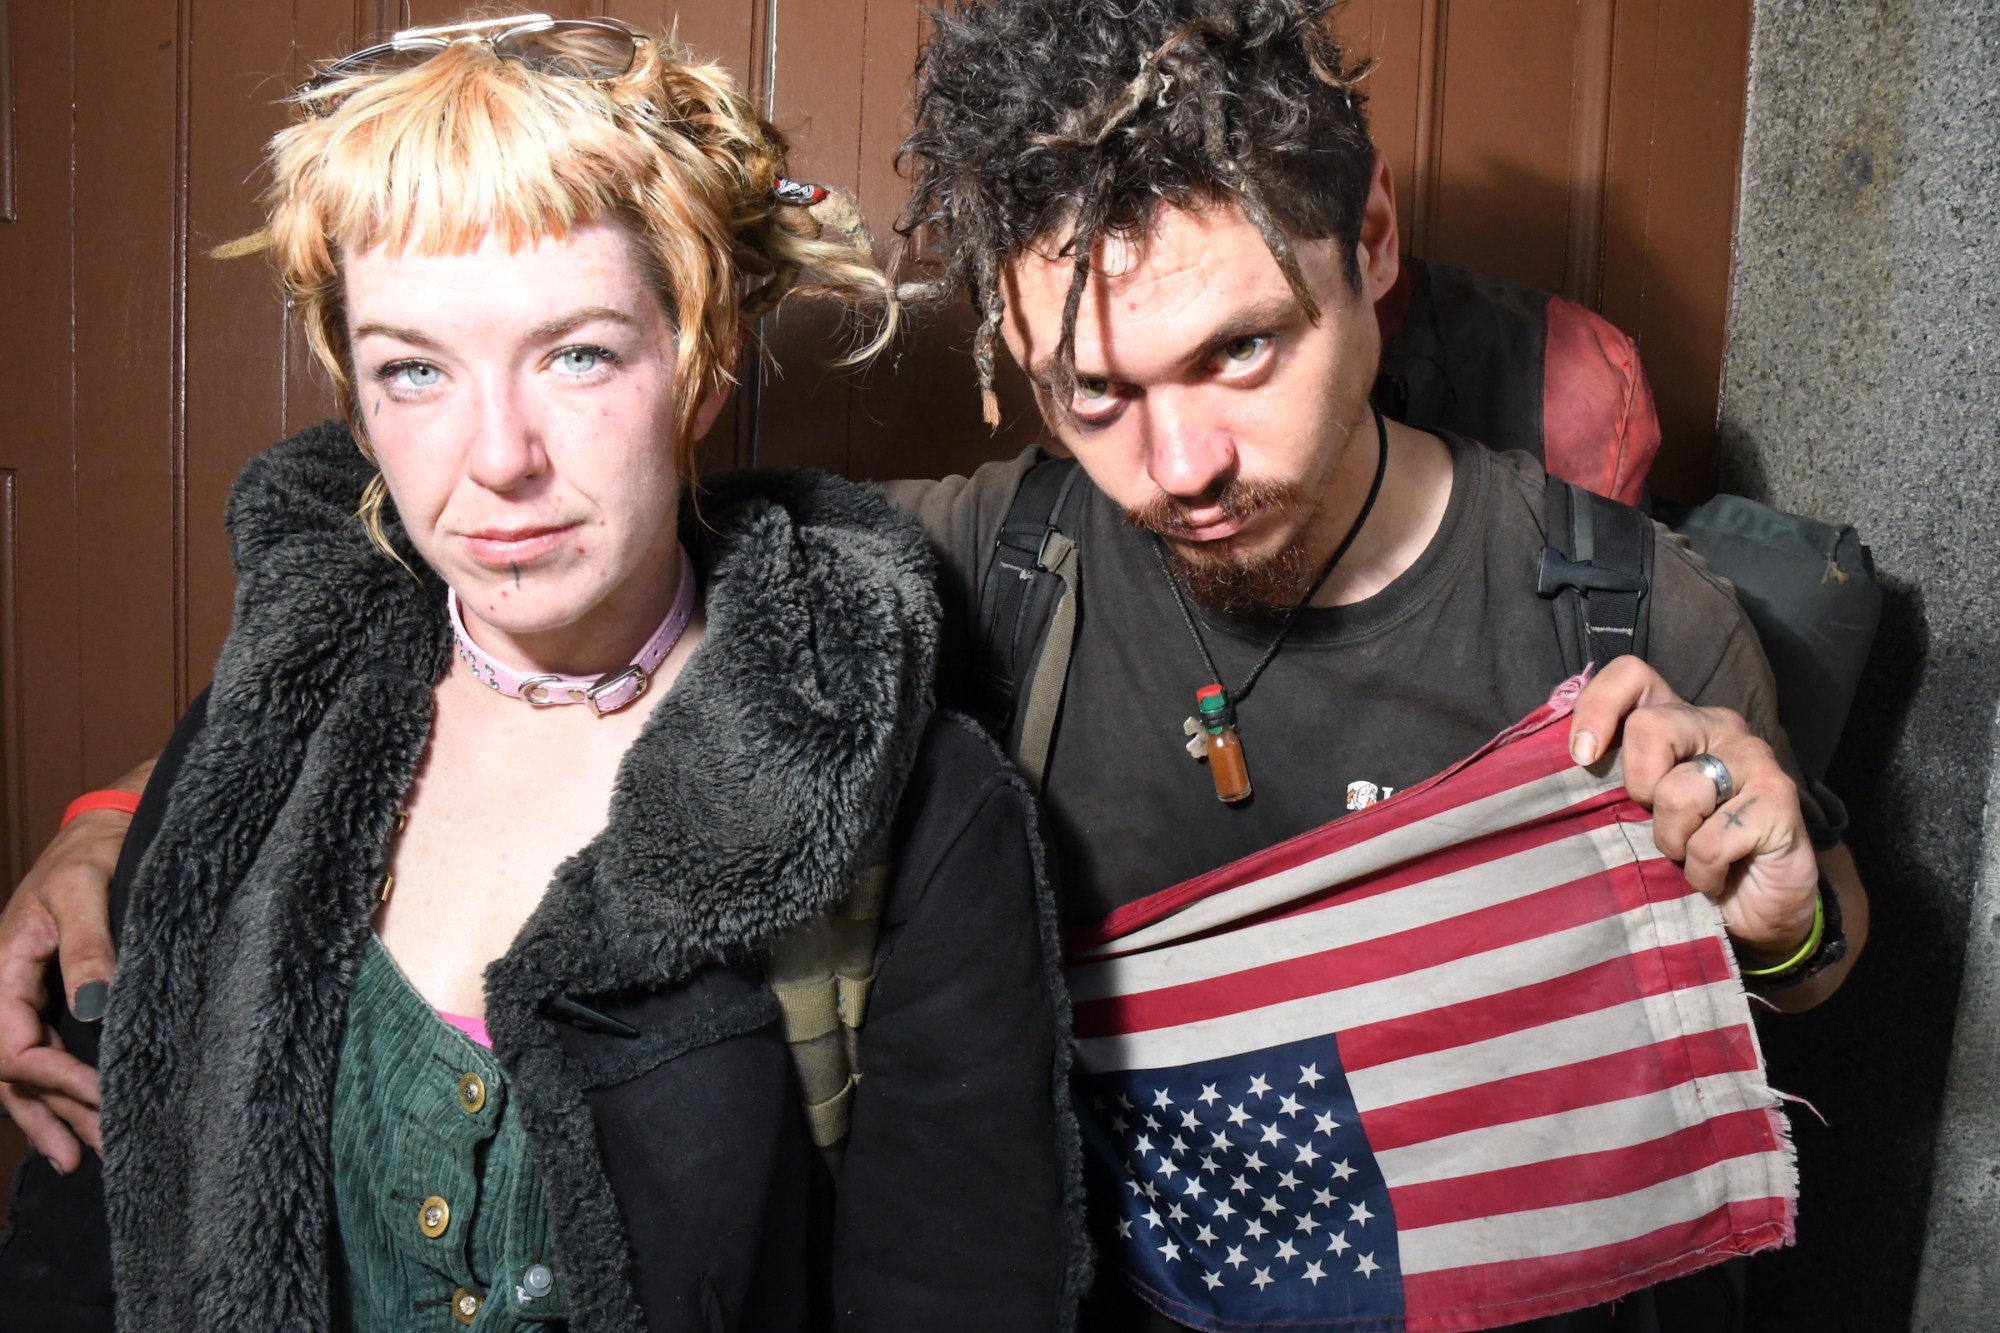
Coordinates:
1860 386
1959 1286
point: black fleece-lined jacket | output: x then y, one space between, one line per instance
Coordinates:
683 1190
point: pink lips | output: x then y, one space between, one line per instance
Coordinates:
1220 529
497 548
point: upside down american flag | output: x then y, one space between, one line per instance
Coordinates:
1474 1055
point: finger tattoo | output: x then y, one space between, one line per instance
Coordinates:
1735 817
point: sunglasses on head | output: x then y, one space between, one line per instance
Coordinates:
585 49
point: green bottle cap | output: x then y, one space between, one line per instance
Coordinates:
1213 701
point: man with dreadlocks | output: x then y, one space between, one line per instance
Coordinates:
1171 214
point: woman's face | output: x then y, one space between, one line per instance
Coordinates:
522 408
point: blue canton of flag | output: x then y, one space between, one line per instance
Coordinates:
1241 1191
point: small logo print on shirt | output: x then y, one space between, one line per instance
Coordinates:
1360 795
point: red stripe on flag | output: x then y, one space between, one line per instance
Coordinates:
1598 812
1605 893
1584 1177
1481 1296
1585 991
1536 749
1605 1078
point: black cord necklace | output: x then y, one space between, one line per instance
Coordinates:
1212 730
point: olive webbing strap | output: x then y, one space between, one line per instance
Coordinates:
821 973
1028 614
1045 690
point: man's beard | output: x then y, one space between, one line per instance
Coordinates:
1218 574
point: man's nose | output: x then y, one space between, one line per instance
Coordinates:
1188 453
507 450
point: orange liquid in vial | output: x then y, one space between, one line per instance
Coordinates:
1226 766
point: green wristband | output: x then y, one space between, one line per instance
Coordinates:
1806 950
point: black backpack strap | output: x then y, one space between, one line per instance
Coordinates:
1598 566
1027 613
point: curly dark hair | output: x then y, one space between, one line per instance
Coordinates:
1038 115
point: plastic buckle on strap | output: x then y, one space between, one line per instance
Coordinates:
1557 572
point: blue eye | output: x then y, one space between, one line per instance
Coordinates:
410 374
583 360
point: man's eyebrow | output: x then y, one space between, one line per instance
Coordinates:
1276 313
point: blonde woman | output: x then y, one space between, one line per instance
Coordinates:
445 942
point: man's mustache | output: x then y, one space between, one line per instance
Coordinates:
1171 517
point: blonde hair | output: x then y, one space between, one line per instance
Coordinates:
434 158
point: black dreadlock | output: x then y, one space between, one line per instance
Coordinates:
1038 115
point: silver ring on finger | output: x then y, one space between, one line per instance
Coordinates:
1718 773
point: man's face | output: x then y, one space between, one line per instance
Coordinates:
1207 405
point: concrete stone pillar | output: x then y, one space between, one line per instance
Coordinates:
1959 1284
1861 386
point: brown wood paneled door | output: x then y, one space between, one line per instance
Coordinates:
1589 147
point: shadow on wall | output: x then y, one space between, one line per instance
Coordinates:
1873 1059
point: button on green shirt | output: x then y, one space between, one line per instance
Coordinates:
439 1211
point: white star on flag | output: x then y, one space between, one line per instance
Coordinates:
1263 1279
1258 1086
1367 1266
1313 1273
1359 1212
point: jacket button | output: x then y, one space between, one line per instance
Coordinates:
471 1093
433 1216
537 1282
465 1306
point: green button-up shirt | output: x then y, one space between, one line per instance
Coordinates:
440 1218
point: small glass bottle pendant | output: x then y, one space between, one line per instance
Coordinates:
1225 747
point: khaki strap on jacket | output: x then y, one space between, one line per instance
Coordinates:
821 973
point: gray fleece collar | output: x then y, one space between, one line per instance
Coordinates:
747 805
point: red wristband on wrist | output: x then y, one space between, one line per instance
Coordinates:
128 801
